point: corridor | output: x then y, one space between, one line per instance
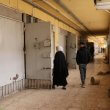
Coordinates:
92 97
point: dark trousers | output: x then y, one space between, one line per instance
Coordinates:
82 68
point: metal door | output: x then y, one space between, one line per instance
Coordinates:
38 51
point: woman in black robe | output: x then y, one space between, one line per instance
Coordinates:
60 70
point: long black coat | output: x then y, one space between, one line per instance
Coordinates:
60 71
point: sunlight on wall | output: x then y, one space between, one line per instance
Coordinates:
99 40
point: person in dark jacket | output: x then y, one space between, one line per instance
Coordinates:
82 59
60 70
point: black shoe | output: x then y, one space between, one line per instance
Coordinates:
53 87
64 88
83 82
83 86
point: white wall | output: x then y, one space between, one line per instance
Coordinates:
96 49
62 39
108 48
53 48
11 50
71 50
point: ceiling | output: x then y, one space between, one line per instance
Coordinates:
95 21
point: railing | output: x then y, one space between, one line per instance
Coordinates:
12 88
24 84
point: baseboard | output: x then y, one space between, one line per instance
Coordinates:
37 84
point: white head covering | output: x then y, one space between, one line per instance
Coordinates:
59 48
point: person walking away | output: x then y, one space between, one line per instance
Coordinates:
82 59
60 70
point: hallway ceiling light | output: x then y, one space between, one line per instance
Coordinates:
102 4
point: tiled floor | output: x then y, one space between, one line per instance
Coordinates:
74 98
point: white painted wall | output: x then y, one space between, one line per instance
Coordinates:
108 48
11 50
52 47
71 50
62 39
96 49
